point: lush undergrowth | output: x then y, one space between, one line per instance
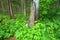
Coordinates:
47 28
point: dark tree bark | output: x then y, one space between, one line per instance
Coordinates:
10 9
2 5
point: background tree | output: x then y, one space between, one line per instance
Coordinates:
24 8
10 9
2 5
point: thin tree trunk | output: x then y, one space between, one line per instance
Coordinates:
2 5
24 8
10 9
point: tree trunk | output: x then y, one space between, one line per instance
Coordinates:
33 12
36 6
31 19
2 5
10 9
24 8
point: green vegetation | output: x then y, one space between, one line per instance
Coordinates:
47 27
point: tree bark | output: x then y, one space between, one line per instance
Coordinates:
10 9
31 19
2 5
36 6
33 12
24 8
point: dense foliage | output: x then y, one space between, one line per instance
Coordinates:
46 28
49 6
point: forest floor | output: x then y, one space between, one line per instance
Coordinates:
47 28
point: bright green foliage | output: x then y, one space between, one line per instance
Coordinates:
47 29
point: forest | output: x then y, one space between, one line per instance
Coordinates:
29 19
